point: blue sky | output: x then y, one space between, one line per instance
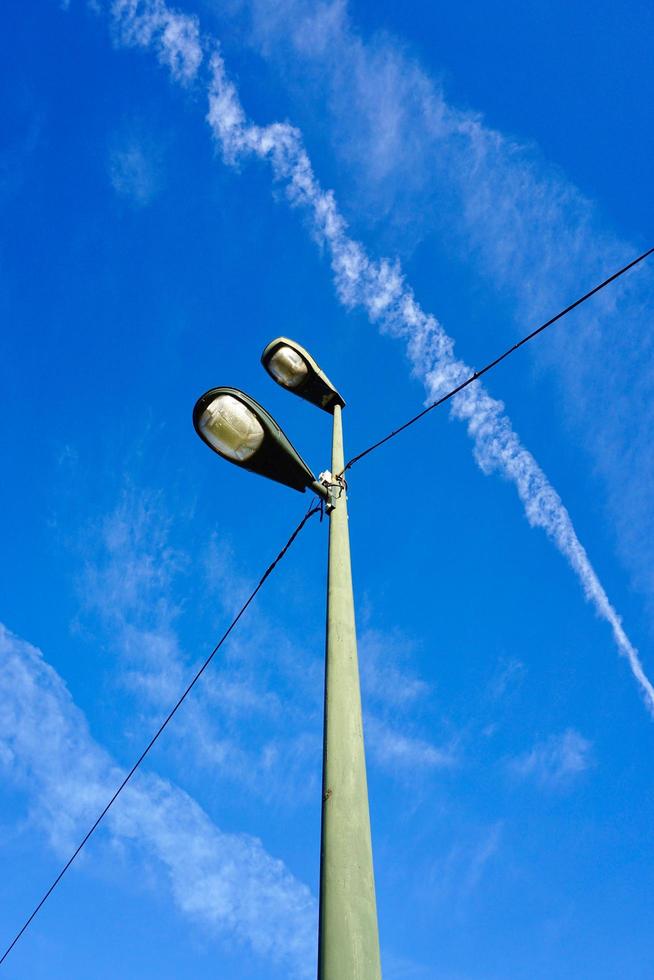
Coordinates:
487 163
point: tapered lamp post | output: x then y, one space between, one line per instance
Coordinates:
242 431
348 940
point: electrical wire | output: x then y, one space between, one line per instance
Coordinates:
477 374
313 509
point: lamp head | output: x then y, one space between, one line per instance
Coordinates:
241 431
292 367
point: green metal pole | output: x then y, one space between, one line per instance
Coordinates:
348 942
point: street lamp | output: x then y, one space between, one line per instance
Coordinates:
348 940
292 367
240 430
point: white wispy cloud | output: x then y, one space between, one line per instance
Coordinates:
134 167
378 287
225 882
151 23
555 761
393 693
131 575
402 753
385 676
508 675
456 877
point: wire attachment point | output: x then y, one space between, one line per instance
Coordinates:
335 485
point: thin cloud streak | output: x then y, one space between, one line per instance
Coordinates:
381 290
225 882
401 753
151 23
555 761
134 169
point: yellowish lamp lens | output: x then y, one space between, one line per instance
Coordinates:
287 367
231 428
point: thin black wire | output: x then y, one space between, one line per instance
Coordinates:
313 509
492 364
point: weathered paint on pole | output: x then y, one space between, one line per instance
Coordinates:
348 945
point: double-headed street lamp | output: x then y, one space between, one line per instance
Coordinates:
241 431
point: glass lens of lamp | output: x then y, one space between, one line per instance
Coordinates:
288 367
230 427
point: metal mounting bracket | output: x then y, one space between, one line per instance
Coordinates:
335 486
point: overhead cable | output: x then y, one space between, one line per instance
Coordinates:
313 509
477 374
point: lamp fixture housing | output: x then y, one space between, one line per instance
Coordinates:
240 430
292 367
